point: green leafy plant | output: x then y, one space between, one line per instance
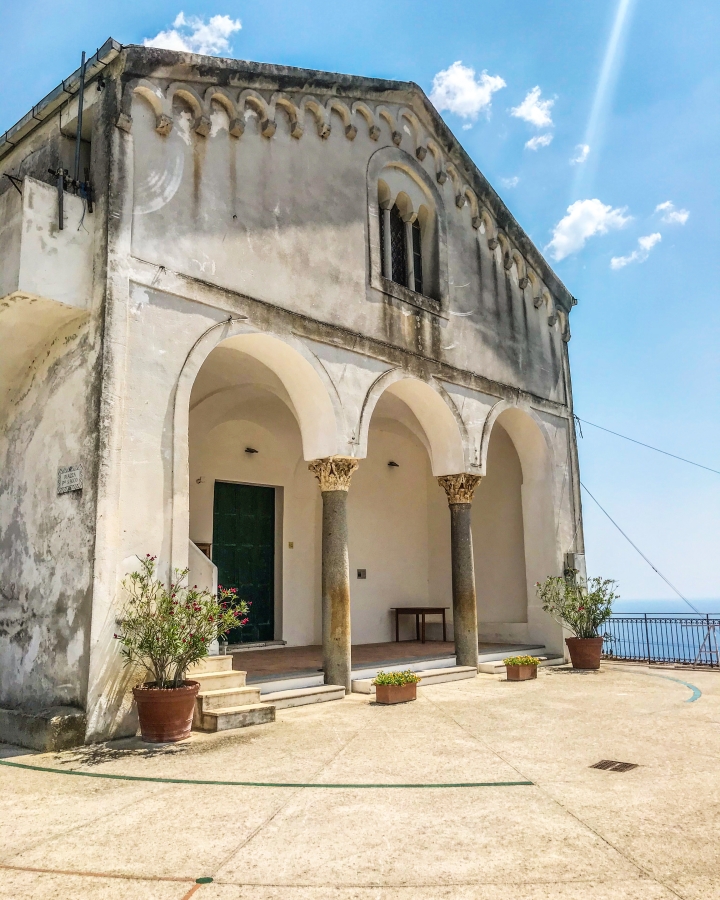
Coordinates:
397 678
521 661
168 628
582 606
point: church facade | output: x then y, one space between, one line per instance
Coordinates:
280 330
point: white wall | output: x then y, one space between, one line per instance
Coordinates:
498 539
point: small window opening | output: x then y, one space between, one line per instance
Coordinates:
417 256
398 251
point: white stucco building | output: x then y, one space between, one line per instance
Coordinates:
282 268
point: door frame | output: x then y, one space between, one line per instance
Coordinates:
278 548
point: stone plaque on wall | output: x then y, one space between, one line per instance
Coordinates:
69 478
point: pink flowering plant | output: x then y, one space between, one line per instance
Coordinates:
581 606
168 628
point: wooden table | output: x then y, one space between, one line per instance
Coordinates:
419 612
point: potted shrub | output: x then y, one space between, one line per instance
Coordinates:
521 668
166 630
395 687
582 607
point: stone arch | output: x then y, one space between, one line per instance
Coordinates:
531 439
440 174
333 105
152 95
284 102
414 122
257 103
488 223
457 186
396 135
387 159
188 95
506 249
474 207
215 94
435 411
319 113
521 269
316 405
364 110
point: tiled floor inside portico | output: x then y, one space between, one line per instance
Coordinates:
287 662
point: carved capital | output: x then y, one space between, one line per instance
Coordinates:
334 472
459 488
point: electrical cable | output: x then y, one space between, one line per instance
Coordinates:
656 449
653 567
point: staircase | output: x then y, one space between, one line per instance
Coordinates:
224 700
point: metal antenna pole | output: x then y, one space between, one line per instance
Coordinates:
78 134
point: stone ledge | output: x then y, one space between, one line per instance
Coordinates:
54 728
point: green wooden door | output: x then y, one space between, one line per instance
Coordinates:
243 549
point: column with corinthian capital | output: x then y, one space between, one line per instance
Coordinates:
460 490
334 475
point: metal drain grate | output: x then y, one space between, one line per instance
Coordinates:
612 765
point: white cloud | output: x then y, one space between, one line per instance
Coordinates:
467 126
540 140
510 182
645 245
458 90
195 35
584 219
583 151
671 215
534 110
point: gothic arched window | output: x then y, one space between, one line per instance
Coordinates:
401 243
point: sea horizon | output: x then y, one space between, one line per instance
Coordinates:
666 607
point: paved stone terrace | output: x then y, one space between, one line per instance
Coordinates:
574 832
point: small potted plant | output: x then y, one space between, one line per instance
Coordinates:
521 668
582 607
395 687
166 630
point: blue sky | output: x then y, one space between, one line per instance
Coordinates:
636 81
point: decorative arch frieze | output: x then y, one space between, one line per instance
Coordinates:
402 124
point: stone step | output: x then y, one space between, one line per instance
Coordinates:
217 681
426 676
304 696
211 664
236 717
527 650
226 697
498 667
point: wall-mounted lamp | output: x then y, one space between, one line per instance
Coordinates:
250 450
393 464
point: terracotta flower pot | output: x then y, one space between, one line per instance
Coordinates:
585 652
521 673
165 714
395 693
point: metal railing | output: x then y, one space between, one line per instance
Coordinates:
691 640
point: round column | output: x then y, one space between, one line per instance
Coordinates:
460 490
334 475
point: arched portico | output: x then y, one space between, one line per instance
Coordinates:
309 393
441 427
518 490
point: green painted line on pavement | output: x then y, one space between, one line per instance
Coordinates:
270 784
696 692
